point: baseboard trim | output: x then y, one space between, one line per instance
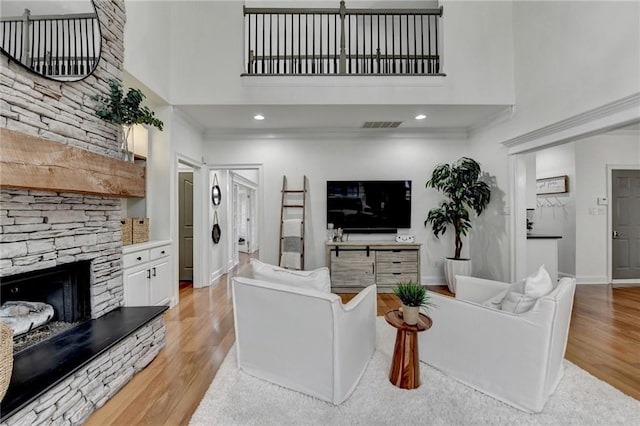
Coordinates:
592 279
432 280
215 276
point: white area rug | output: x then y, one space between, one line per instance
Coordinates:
235 398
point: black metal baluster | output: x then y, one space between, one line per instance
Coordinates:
422 39
249 37
42 49
299 46
313 49
284 43
415 47
437 70
393 44
371 44
278 44
56 66
76 33
63 69
292 69
349 49
306 43
386 46
429 49
321 67
270 43
335 44
263 43
357 47
378 50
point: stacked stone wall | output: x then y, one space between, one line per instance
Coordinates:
72 401
40 230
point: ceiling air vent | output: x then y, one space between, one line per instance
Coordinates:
381 124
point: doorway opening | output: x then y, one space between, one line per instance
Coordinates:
245 213
185 225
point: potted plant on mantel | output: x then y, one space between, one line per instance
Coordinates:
413 296
126 111
464 191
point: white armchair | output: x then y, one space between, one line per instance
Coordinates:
516 358
304 339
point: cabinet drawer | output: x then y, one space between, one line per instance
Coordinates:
159 252
397 256
394 279
398 266
137 258
352 256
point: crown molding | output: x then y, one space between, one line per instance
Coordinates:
612 115
324 134
498 118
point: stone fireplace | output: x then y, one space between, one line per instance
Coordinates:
66 250
44 231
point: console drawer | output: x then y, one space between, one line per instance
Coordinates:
397 256
394 279
394 267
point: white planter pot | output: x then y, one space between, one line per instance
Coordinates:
410 314
453 267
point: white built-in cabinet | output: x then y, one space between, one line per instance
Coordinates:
147 274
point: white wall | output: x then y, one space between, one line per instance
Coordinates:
570 57
217 254
559 218
592 157
146 40
349 157
207 58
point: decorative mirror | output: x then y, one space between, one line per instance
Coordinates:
216 194
215 231
56 39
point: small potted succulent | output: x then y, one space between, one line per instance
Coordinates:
413 296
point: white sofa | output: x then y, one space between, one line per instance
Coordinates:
304 339
516 358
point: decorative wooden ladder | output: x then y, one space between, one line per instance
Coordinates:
292 222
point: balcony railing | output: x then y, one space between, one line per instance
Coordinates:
53 45
341 41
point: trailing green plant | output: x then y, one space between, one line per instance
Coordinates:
125 110
460 183
411 293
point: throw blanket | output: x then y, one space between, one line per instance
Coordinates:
291 244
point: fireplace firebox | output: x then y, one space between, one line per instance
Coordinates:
65 287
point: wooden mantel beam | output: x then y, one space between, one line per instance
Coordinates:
30 162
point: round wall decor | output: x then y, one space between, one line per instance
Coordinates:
215 231
216 193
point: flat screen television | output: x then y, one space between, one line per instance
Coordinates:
369 206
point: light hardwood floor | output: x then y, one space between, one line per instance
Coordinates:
604 339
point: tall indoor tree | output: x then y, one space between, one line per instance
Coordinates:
464 191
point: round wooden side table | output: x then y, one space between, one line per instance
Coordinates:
405 367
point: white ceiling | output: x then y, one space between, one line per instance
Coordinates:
238 118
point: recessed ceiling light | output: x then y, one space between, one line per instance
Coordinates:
258 117
420 117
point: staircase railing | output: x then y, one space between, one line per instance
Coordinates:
329 41
53 45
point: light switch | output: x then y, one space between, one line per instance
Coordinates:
603 201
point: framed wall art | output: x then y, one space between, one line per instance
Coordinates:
552 185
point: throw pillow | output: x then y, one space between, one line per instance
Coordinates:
523 295
317 279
